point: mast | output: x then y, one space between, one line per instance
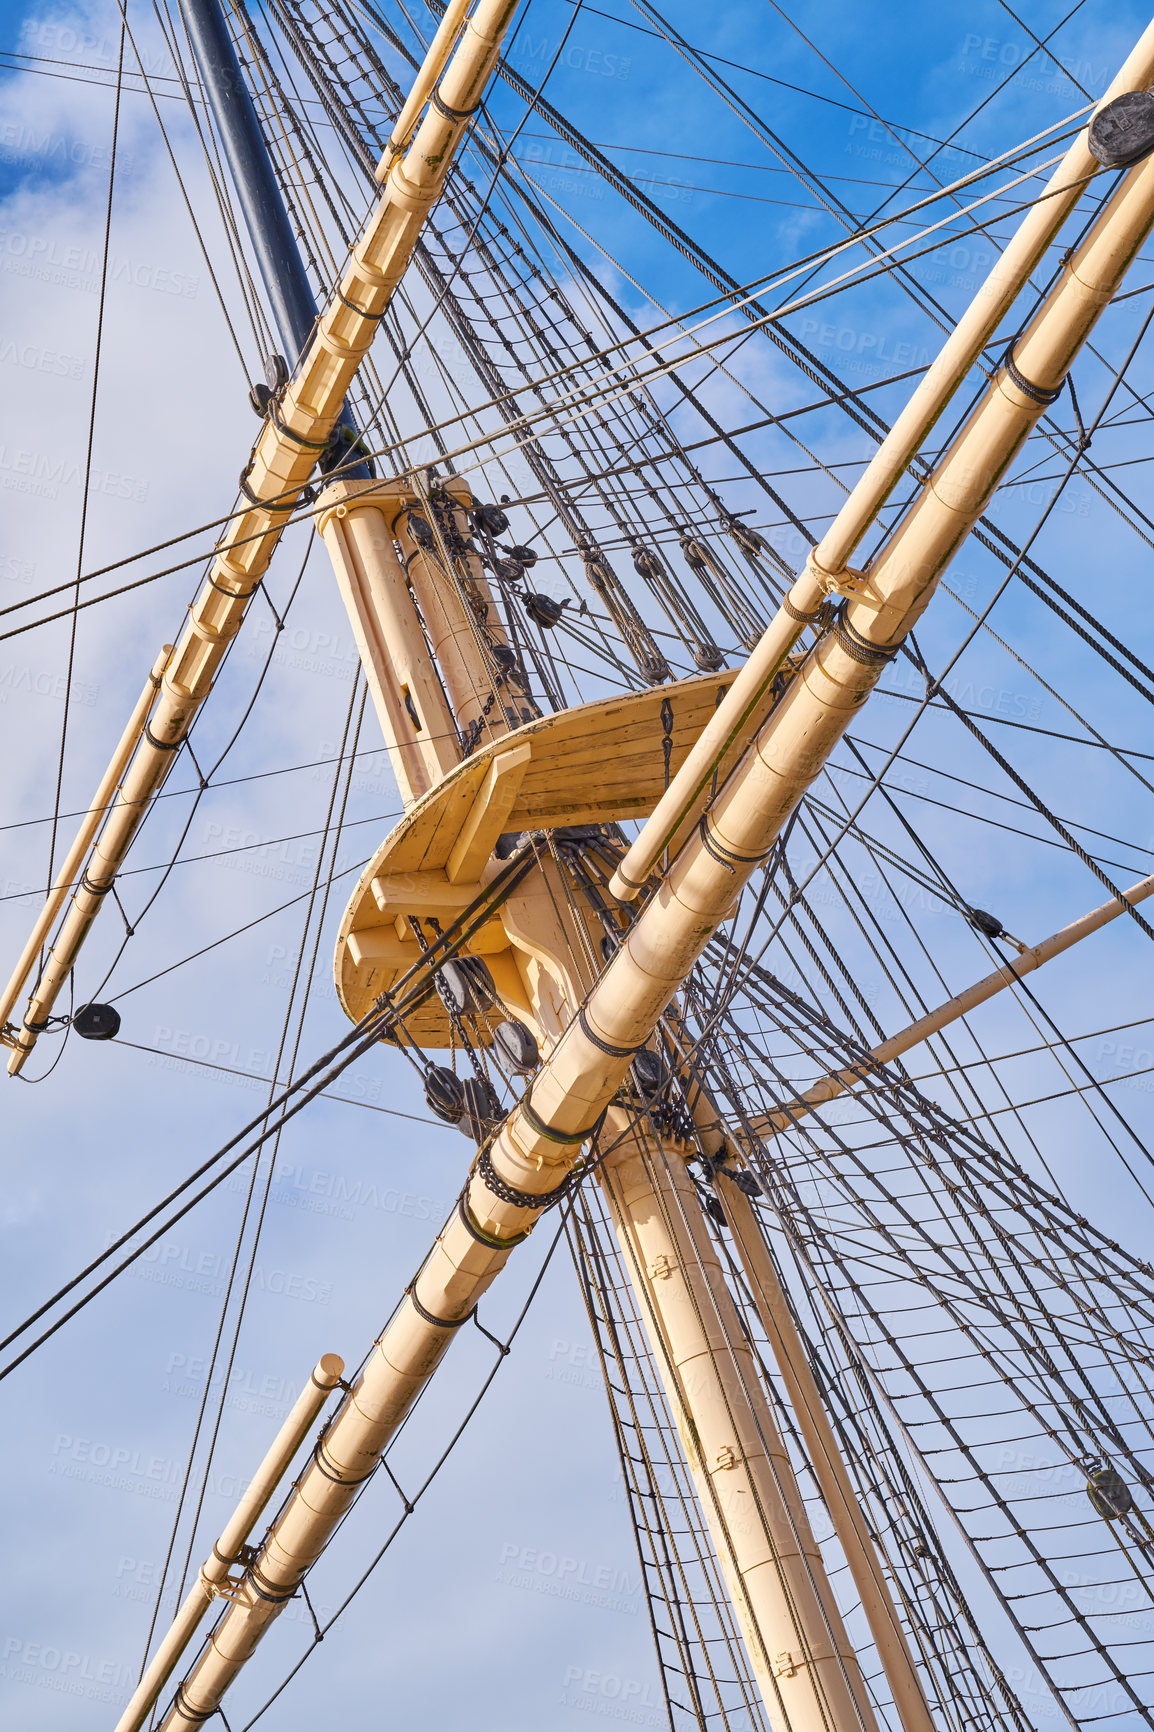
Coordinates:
827 569
719 1143
302 416
278 256
466 742
800 1652
281 461
592 1024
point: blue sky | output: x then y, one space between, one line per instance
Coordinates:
463 1621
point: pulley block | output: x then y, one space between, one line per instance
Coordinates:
465 986
543 610
96 1022
445 1094
516 1047
649 1073
483 1110
1109 1494
490 518
1123 132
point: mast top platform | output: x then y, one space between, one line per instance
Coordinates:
600 763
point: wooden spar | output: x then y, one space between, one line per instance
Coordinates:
66 878
845 1512
429 71
540 1142
464 630
976 327
213 1576
1010 972
407 695
797 1643
825 571
800 1652
284 456
821 1445
703 883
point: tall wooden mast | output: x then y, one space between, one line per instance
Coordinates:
482 773
403 558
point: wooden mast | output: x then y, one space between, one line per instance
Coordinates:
591 1025
589 1055
827 570
283 458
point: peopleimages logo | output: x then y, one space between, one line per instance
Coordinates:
36 359
246 1392
307 650
38 473
289 860
48 1666
575 1363
118 1467
528 51
136 1579
878 347
995 58
17 678
23 145
606 1586
200 1271
610 1696
63 39
46 259
325 1193
22 571
1130 1065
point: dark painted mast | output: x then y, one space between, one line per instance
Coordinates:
278 256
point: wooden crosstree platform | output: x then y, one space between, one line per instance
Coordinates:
601 763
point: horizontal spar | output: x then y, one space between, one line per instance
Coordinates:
953 1009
